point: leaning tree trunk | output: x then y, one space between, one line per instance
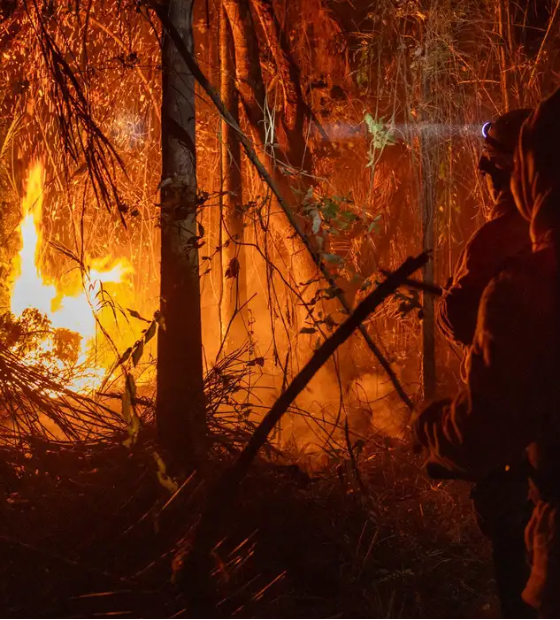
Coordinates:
252 92
294 108
233 256
180 406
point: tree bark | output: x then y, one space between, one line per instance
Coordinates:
502 44
429 178
180 405
233 255
295 110
250 82
252 92
429 163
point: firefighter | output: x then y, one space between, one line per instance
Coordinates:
510 405
504 235
500 500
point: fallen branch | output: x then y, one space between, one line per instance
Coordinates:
197 570
199 76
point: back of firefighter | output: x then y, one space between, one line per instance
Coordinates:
511 403
500 500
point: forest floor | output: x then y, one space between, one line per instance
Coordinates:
92 533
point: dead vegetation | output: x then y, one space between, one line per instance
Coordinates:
90 532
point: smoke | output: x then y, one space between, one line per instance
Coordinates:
368 405
374 408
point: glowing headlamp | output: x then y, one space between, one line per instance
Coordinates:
486 129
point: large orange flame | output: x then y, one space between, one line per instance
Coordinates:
75 312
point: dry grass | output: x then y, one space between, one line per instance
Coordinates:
96 521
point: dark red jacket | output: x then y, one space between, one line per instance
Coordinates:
504 236
510 403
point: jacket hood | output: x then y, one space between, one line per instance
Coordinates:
535 182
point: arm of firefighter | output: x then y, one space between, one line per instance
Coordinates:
488 423
485 252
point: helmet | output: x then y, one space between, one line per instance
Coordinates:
501 136
500 141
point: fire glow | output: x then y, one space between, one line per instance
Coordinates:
78 310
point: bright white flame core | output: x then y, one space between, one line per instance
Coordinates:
76 312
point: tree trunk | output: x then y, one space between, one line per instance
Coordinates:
503 56
294 109
429 165
251 89
180 405
233 255
429 180
250 82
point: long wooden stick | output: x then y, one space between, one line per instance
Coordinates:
199 76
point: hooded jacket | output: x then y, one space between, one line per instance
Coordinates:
511 402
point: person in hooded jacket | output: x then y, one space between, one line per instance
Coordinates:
500 499
504 235
511 403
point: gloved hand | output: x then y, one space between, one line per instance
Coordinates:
423 420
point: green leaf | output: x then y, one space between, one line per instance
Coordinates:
126 406
330 209
316 217
138 351
164 479
150 332
136 315
348 216
125 355
373 126
130 386
374 225
307 330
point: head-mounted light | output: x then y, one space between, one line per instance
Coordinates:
486 129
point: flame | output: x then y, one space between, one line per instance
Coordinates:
78 312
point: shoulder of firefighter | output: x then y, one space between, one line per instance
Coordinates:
509 387
484 255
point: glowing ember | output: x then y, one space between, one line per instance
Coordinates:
65 311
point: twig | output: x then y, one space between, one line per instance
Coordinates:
199 76
543 42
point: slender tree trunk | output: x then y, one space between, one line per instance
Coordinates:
233 255
251 89
429 163
180 406
429 179
294 109
250 82
502 13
